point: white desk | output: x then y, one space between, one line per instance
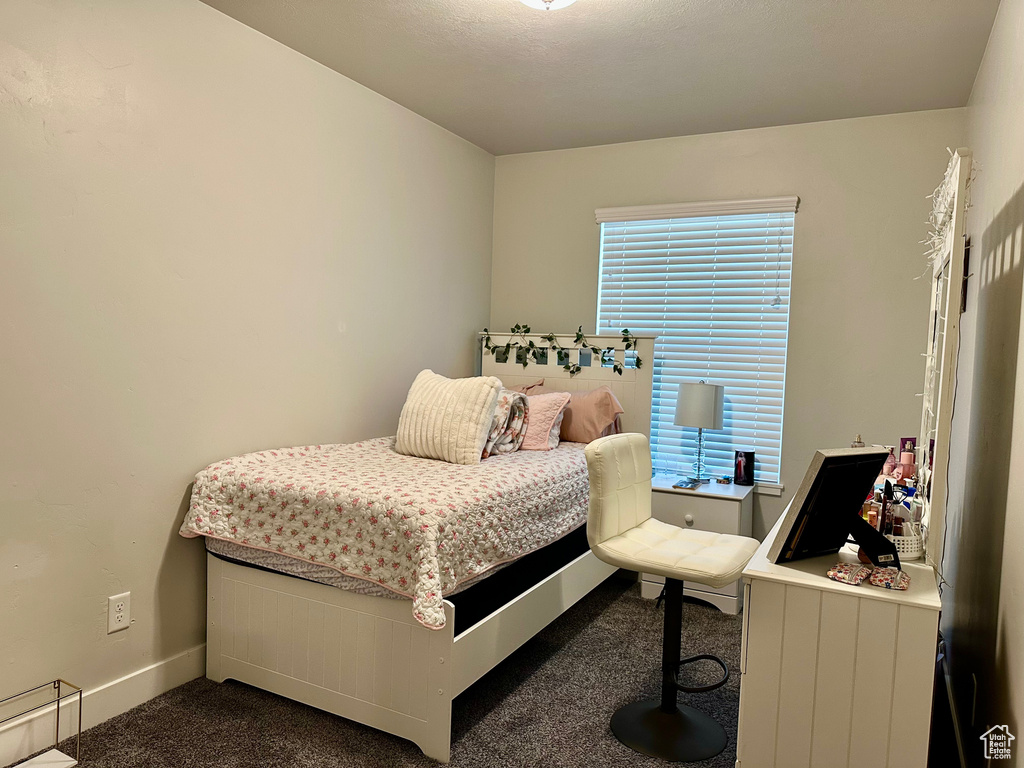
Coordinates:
833 674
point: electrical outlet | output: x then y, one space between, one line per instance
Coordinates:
119 612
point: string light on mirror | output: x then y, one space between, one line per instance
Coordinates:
547 5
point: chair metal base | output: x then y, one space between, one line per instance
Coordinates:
662 727
683 735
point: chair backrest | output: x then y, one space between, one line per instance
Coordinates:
620 473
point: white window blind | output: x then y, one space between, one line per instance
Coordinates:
715 288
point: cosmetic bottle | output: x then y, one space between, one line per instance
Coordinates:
890 463
916 509
907 466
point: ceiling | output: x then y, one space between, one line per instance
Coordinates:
513 79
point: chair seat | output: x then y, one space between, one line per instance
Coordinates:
714 559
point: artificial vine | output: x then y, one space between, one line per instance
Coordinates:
526 349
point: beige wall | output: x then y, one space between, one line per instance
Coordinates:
209 244
983 611
858 318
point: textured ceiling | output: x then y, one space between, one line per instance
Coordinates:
512 79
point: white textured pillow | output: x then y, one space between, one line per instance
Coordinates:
447 419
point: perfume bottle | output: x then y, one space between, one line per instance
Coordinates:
907 468
858 443
890 463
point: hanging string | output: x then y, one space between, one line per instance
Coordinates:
714 288
777 301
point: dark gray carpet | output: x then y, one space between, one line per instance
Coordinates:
547 705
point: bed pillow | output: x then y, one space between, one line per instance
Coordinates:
589 415
447 419
545 423
531 389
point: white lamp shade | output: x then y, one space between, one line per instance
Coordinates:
700 406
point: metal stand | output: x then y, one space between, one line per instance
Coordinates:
662 727
699 466
28 702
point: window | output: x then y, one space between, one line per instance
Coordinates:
712 281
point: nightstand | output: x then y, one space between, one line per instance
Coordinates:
712 507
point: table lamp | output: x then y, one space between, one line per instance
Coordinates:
700 406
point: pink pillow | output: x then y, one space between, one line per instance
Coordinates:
589 415
531 389
545 420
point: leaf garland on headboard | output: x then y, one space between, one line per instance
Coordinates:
530 350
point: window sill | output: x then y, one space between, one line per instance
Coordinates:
769 489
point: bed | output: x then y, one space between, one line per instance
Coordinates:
388 654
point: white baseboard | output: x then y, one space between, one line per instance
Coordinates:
34 732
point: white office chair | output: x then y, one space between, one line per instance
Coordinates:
622 532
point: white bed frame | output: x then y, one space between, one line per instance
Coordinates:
366 658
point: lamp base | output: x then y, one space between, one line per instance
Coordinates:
699 480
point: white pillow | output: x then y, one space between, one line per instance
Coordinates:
447 419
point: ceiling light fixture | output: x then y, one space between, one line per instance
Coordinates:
547 5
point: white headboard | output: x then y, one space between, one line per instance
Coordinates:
633 388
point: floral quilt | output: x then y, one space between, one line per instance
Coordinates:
419 527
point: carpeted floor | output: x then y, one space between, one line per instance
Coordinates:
547 705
